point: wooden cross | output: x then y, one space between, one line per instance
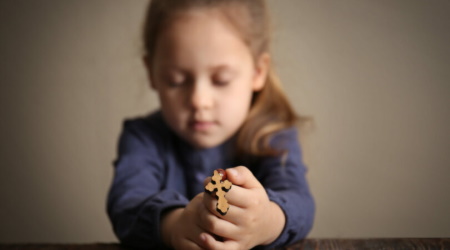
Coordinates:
220 187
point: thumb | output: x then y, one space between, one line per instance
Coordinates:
243 177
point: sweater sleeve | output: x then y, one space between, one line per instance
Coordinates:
136 198
284 180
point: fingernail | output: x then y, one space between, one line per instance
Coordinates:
202 237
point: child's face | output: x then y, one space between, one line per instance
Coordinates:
205 77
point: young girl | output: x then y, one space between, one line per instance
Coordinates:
221 107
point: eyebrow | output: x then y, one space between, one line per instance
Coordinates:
171 70
222 68
218 68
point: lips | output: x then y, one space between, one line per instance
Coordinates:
201 125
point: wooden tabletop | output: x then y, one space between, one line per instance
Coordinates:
385 244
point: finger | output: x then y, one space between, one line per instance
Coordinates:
194 238
214 244
217 226
208 241
240 197
206 181
233 215
210 202
190 244
205 238
237 196
199 196
243 177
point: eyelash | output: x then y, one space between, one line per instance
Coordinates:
221 83
176 84
186 82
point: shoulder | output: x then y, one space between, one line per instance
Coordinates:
284 139
287 142
141 132
149 124
283 170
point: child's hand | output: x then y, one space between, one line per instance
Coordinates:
180 227
251 220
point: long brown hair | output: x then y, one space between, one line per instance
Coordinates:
270 110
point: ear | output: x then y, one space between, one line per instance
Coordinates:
261 70
146 59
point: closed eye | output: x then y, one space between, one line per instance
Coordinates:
176 84
221 83
223 76
180 82
175 78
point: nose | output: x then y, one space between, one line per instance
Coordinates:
201 96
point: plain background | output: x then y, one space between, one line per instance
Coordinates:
375 75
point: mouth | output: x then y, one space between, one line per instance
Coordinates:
201 126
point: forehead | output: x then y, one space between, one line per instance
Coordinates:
200 36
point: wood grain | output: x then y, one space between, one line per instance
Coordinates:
308 244
385 244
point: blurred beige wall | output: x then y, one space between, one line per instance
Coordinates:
375 75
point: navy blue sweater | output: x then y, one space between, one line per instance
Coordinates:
156 170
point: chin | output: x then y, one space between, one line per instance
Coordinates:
204 144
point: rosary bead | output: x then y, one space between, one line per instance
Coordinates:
222 173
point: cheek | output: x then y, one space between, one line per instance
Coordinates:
238 102
172 109
171 99
243 93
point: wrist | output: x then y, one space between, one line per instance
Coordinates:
168 222
275 223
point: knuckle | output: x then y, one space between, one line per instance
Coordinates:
254 202
247 220
241 246
198 197
211 226
211 207
252 219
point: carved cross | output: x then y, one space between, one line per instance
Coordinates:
220 187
